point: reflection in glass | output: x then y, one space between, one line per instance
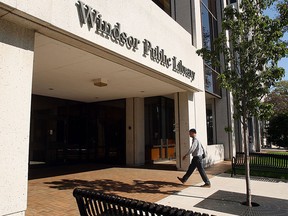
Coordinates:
209 122
212 84
164 5
209 33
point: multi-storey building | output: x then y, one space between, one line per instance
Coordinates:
107 81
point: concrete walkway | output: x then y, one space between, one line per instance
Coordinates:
226 195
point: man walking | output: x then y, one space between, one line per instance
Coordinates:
197 151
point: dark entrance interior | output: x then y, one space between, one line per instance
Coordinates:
64 131
159 129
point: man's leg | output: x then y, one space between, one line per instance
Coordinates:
190 170
202 172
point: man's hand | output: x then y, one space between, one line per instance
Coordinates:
184 157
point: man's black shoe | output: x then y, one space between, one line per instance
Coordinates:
206 186
181 180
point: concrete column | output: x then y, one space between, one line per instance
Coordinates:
201 125
16 67
225 124
200 117
135 137
190 112
197 24
184 120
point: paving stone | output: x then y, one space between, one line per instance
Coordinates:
53 195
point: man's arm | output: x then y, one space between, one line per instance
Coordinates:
191 149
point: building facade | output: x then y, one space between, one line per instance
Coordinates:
107 81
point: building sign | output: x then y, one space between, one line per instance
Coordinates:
113 32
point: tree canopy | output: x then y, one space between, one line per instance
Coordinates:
247 52
251 45
278 97
277 132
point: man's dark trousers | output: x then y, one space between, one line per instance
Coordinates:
196 162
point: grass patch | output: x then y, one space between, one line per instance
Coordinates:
278 152
268 174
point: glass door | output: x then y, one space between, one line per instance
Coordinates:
159 129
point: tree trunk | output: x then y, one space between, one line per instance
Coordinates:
247 163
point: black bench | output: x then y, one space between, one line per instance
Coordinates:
91 202
261 162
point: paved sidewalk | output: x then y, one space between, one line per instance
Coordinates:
226 194
53 195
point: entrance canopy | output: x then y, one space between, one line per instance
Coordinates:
63 71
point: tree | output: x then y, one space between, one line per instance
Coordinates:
278 97
250 44
277 132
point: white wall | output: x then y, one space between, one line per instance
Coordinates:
136 19
140 19
215 154
16 66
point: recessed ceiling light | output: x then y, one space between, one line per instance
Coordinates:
100 82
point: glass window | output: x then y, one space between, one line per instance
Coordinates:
209 33
212 84
183 14
164 5
209 22
209 122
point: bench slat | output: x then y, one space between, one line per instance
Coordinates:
94 203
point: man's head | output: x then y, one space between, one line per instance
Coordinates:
192 132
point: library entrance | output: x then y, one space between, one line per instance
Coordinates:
64 131
89 106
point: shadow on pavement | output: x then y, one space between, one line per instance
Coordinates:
44 171
113 187
230 202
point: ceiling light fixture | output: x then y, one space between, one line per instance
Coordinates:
100 82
